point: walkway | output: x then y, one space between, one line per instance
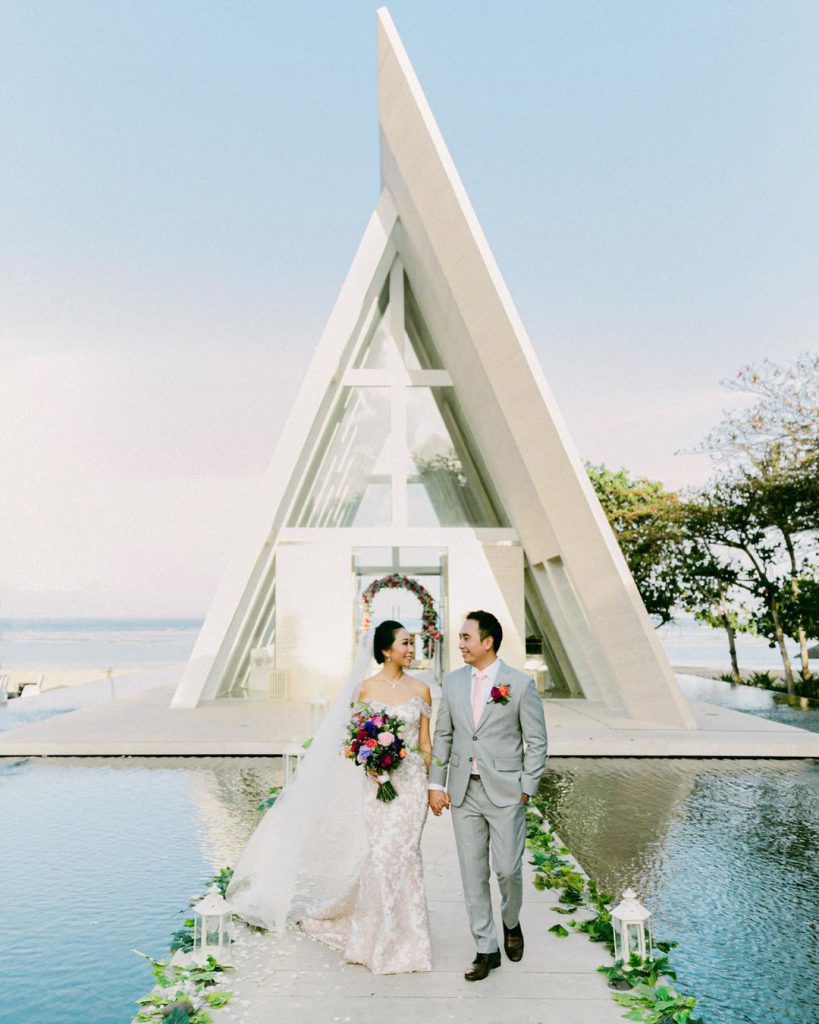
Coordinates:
301 981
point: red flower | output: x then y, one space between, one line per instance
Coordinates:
386 761
371 743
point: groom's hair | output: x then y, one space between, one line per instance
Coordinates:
488 625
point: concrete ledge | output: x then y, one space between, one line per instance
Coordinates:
144 725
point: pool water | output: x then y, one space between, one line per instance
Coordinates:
771 704
101 856
724 853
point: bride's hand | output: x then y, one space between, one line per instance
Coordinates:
373 775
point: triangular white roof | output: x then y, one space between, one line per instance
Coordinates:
425 224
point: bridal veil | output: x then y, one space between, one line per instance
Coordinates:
310 844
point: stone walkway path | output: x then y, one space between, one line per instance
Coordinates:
301 981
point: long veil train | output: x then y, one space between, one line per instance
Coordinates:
309 844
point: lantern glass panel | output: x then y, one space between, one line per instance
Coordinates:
634 939
211 925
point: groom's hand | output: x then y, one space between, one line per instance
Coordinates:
438 801
524 798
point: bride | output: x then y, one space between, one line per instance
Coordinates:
329 855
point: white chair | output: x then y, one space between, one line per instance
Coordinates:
32 689
4 688
278 684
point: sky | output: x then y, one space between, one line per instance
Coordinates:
183 186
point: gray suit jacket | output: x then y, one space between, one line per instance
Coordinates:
507 770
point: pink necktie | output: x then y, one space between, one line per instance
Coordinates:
477 697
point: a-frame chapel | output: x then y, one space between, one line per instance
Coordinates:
425 470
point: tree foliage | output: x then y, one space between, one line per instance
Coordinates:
740 552
644 518
781 427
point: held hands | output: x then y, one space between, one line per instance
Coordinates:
438 801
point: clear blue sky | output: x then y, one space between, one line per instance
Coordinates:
184 184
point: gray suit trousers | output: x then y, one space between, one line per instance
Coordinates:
482 827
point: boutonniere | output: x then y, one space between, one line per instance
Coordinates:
499 695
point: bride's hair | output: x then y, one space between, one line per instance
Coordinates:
384 638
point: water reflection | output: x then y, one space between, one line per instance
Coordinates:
776 707
101 855
724 852
226 795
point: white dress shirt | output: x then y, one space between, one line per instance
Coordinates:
490 674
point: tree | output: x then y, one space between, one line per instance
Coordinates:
643 516
781 427
771 451
789 504
733 516
709 582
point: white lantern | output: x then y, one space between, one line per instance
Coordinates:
318 711
211 928
629 921
292 755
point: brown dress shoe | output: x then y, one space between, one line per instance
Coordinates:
482 965
513 942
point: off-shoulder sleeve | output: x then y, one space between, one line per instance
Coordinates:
426 709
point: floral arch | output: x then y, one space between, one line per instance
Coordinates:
429 617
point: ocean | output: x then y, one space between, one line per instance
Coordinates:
95 643
119 643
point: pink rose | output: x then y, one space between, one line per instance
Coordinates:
385 738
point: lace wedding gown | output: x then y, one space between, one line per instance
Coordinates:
381 920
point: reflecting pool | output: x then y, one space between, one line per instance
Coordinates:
771 704
101 856
725 854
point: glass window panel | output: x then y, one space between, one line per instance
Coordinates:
417 331
375 508
350 484
373 556
382 353
426 557
420 510
444 489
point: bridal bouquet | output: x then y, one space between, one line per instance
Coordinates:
375 740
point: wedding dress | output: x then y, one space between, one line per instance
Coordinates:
331 856
381 920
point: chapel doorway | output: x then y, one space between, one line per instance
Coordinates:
407 584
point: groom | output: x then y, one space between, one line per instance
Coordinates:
490 738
